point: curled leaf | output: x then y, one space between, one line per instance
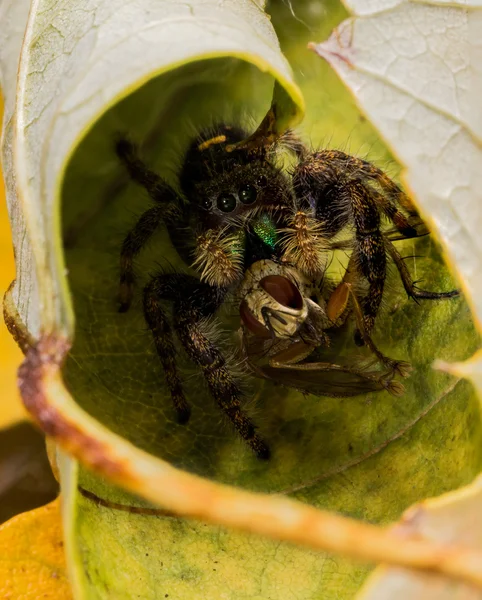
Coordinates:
159 78
414 68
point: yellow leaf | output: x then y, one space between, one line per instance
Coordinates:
32 561
11 408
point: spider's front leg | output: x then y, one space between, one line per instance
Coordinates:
336 191
167 210
410 286
194 303
218 257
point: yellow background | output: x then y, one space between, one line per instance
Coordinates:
11 409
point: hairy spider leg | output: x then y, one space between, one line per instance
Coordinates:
194 302
153 183
409 284
304 244
158 289
133 243
337 166
369 252
167 211
336 188
337 200
362 169
396 216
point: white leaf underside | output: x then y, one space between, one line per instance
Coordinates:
73 65
416 71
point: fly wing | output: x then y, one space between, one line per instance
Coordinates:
320 371
337 382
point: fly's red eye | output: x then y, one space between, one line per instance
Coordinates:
283 291
251 322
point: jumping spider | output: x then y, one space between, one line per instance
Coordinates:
237 206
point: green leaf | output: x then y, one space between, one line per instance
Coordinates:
369 456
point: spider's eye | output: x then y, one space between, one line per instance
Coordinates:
247 194
206 203
226 203
262 181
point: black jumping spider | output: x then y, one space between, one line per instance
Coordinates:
238 207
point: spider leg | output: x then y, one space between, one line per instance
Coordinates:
388 201
323 183
168 211
369 248
158 289
322 210
390 209
155 186
392 235
188 322
401 367
303 243
218 258
194 302
409 284
336 189
133 243
395 236
394 193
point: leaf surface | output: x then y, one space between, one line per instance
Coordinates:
32 561
454 517
354 455
414 69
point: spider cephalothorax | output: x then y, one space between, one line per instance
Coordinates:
238 207
222 192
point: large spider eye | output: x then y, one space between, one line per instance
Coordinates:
247 194
226 202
